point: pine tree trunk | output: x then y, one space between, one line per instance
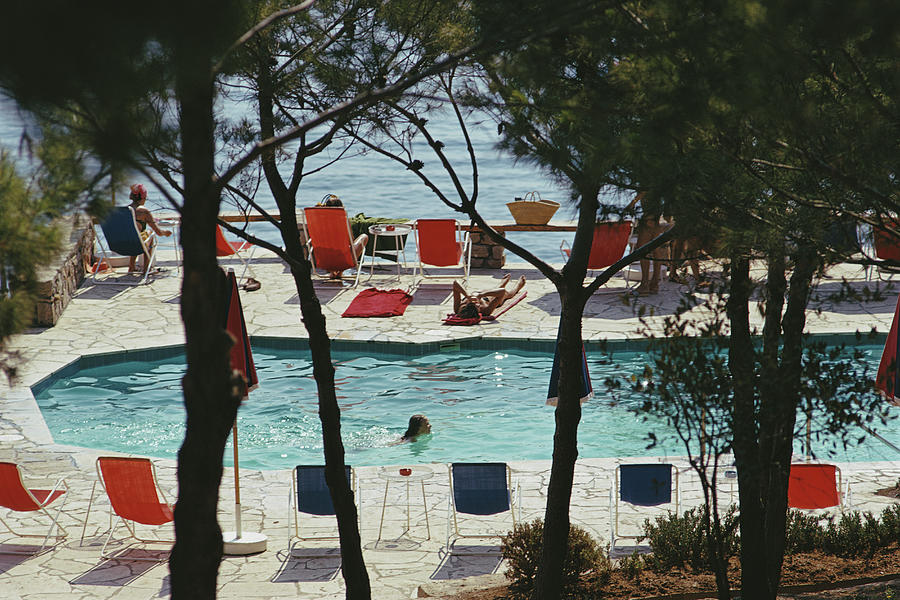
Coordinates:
548 584
210 399
353 567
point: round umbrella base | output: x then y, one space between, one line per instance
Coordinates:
248 543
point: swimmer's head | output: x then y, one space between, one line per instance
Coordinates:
418 425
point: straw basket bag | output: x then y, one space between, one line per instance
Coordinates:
532 210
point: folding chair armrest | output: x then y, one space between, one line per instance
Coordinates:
60 483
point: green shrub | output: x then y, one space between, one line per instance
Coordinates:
854 534
803 532
679 541
632 566
585 571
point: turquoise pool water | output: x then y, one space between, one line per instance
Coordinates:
483 405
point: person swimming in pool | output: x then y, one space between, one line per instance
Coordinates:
418 425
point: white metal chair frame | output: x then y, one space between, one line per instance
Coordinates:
132 530
462 237
294 536
54 521
514 499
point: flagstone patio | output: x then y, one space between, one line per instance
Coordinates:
113 318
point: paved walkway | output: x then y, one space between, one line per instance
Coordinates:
401 565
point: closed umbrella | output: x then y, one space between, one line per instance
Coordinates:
888 378
238 542
587 391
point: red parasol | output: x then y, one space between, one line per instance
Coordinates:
242 362
888 378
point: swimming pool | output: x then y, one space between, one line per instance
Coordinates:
483 405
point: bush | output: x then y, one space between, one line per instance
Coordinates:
585 571
854 534
681 541
632 566
803 532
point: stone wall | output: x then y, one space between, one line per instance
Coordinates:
58 281
486 254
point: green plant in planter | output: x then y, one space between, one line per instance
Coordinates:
360 224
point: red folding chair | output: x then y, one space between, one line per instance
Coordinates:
330 240
609 244
812 486
15 496
134 497
442 243
241 250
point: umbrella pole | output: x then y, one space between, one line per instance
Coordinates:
237 483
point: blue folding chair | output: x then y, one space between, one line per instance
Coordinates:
651 484
310 495
123 237
479 489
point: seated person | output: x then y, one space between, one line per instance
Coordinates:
467 305
359 244
418 425
143 217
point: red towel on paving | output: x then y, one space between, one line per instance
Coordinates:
372 302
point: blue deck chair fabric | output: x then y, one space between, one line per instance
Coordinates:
650 484
313 497
124 238
646 485
121 233
310 495
479 489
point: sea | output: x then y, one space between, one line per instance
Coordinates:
370 183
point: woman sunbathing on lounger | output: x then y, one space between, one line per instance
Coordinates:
467 305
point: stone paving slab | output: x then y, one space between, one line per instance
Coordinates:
115 318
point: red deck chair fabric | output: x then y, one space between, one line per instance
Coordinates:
328 235
887 247
15 496
237 249
813 486
608 245
131 487
226 248
437 242
441 243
